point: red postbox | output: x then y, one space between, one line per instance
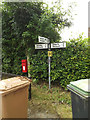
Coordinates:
24 66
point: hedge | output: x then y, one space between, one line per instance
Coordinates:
67 64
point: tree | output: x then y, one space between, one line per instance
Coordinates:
52 21
16 17
23 22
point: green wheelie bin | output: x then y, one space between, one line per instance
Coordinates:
80 97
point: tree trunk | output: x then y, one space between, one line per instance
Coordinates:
29 75
28 65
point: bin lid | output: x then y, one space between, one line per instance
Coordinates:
81 86
12 83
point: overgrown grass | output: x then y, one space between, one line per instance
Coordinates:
55 100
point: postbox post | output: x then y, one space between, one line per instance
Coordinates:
25 70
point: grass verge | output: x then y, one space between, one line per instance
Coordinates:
54 101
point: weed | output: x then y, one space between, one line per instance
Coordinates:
35 81
44 87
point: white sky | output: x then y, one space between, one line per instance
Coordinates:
80 22
89 14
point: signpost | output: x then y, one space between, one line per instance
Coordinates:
49 46
58 45
41 46
43 40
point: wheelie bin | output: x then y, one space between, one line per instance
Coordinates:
13 98
80 97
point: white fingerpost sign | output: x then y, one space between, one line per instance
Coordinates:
49 47
58 45
41 46
43 40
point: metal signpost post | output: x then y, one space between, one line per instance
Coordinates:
49 71
49 60
49 46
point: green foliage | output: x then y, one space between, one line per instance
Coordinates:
17 42
39 65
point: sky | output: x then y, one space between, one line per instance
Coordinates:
80 22
88 14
